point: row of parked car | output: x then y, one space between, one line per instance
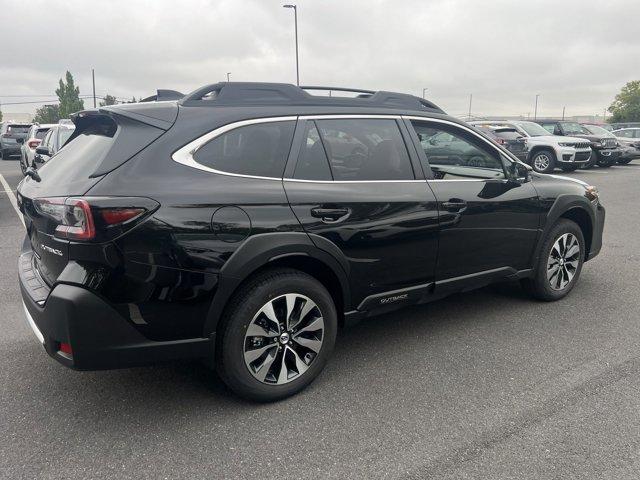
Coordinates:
33 143
548 144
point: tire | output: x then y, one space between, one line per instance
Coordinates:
546 286
544 161
236 350
23 167
603 162
570 168
624 161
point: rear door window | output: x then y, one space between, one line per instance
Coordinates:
259 149
365 149
312 162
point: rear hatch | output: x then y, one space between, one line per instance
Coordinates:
15 132
103 140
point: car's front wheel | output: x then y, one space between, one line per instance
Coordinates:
624 161
560 262
279 332
543 161
569 168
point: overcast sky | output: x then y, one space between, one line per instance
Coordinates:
574 53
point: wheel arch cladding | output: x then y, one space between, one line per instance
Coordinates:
271 250
580 216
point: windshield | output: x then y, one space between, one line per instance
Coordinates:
596 130
532 129
573 128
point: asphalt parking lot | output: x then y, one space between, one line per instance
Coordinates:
487 384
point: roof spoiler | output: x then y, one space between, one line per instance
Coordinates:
164 96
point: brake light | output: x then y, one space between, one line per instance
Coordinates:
34 143
501 141
112 216
65 348
93 218
77 221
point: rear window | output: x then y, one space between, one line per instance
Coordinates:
41 133
507 134
63 135
21 130
259 150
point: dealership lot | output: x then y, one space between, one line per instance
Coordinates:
483 385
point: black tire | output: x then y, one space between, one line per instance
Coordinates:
604 162
539 286
624 161
239 315
1 154
545 156
569 168
23 168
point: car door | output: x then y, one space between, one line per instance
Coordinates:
488 221
367 204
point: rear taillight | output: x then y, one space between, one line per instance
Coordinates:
93 218
501 141
34 143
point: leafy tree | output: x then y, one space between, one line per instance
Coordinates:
108 100
626 105
133 100
69 96
47 114
0 115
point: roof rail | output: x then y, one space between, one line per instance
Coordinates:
257 93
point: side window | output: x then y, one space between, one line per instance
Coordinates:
260 150
47 140
550 127
625 134
312 162
453 154
365 149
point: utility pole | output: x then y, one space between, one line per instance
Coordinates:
535 112
228 75
295 18
93 80
470 100
604 114
424 90
563 112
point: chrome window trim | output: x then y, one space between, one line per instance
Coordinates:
353 181
348 116
184 155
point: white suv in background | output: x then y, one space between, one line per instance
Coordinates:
547 152
36 134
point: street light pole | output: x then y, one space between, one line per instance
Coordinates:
93 81
423 93
470 100
295 18
228 75
535 111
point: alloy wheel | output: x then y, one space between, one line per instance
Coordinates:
563 261
541 162
283 339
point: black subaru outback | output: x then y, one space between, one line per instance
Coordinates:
245 222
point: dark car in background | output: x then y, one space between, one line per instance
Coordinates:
53 141
605 147
510 138
237 226
12 136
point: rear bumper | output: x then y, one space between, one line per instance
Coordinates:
99 336
10 149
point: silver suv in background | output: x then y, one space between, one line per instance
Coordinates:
629 139
36 134
53 141
546 152
12 135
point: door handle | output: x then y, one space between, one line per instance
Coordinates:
330 214
454 205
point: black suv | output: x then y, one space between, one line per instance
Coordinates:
606 149
246 222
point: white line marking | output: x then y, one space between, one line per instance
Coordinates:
12 197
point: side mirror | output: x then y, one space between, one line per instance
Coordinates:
519 172
42 151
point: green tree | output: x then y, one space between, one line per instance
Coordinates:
69 96
108 100
626 105
47 114
133 100
0 115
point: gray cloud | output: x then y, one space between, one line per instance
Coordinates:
573 53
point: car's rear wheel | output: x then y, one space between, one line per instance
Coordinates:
624 161
278 334
543 161
604 162
560 262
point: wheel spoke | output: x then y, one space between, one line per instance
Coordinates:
291 305
263 370
316 324
283 375
310 343
252 355
256 330
301 367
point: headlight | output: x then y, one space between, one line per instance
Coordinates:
566 144
603 142
591 193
